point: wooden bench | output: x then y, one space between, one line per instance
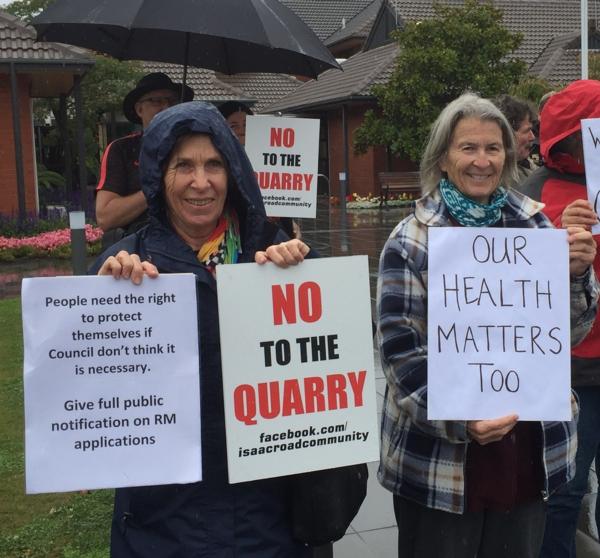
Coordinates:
406 182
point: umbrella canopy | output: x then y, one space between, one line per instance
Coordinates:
229 36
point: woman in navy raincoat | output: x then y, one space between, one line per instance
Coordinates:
205 209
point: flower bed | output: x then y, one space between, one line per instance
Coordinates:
56 244
354 201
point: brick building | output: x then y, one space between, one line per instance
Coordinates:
550 48
354 30
28 70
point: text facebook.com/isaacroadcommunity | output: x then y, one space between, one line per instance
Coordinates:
310 437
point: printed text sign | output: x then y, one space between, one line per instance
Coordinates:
298 375
111 382
284 153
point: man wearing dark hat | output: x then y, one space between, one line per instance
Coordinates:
120 203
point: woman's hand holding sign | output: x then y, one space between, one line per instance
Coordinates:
579 214
128 266
284 254
486 431
578 218
582 250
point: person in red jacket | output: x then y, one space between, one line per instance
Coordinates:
561 185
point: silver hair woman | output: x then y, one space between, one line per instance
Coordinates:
465 488
468 105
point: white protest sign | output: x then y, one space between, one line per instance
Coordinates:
111 376
590 133
298 375
498 324
284 153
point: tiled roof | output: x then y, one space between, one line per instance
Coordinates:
259 90
548 28
263 88
361 72
554 50
17 44
540 21
566 67
358 26
204 82
325 17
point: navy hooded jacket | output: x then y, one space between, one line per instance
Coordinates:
211 519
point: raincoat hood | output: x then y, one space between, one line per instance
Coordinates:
562 115
188 118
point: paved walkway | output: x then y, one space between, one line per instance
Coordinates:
373 531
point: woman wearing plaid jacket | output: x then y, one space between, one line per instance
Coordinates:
466 488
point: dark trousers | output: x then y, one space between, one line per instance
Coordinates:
428 533
564 505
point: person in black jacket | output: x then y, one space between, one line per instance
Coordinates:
205 209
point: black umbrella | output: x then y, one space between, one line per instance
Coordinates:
229 36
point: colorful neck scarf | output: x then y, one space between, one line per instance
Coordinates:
468 212
224 244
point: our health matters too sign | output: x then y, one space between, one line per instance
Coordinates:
298 375
111 374
284 153
498 336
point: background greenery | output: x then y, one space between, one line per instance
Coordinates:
103 88
461 48
69 525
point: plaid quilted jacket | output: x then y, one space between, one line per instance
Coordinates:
422 460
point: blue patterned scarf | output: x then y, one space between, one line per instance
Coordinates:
468 212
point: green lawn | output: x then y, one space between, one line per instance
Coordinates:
68 525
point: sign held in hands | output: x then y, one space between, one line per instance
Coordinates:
590 134
298 371
498 324
284 153
111 376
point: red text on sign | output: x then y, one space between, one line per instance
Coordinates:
284 180
284 303
313 394
282 135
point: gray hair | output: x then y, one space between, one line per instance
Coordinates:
467 105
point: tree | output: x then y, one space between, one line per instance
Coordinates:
103 88
531 88
593 65
460 48
27 9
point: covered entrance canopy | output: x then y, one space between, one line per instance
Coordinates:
29 70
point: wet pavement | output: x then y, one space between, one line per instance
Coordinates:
360 232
